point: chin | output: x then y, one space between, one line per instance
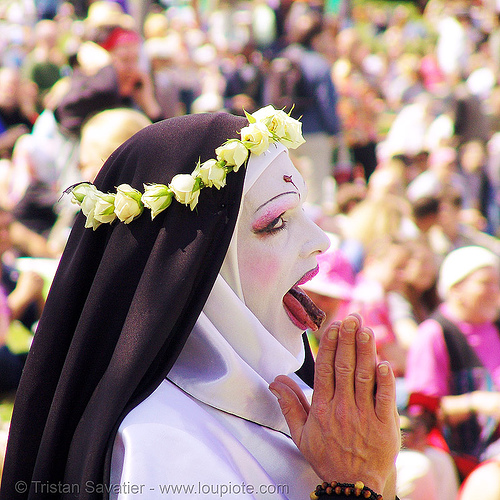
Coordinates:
294 342
287 333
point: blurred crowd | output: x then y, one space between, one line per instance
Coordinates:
400 106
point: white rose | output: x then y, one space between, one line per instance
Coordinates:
233 152
104 210
278 123
275 120
91 221
86 195
88 208
81 190
202 169
256 137
292 137
211 174
184 187
281 125
264 113
157 197
88 203
128 204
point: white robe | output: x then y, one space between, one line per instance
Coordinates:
214 429
174 446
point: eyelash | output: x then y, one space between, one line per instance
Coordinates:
270 229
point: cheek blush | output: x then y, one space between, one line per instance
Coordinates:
264 272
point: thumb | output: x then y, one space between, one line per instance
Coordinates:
293 405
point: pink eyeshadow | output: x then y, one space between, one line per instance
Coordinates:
265 219
273 210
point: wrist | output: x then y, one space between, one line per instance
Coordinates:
369 474
334 488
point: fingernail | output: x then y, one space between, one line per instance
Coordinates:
275 393
363 337
383 369
333 332
350 325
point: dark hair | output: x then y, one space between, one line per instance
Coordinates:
313 31
349 193
425 207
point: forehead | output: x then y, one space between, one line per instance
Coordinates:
279 177
127 51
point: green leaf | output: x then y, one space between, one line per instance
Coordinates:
250 118
197 185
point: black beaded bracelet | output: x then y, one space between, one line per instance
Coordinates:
357 489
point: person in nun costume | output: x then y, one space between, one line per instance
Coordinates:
170 359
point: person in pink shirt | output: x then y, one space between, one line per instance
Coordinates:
456 354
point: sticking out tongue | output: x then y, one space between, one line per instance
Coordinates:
302 310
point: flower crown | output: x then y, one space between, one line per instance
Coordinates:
265 126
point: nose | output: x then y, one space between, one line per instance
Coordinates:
316 242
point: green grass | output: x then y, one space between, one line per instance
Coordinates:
19 338
6 406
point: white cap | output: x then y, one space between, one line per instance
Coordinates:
462 262
425 185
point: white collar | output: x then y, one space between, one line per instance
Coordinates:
229 360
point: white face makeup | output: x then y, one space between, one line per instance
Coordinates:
277 249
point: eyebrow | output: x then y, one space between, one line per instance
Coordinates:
277 196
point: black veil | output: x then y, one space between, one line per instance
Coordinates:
123 301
